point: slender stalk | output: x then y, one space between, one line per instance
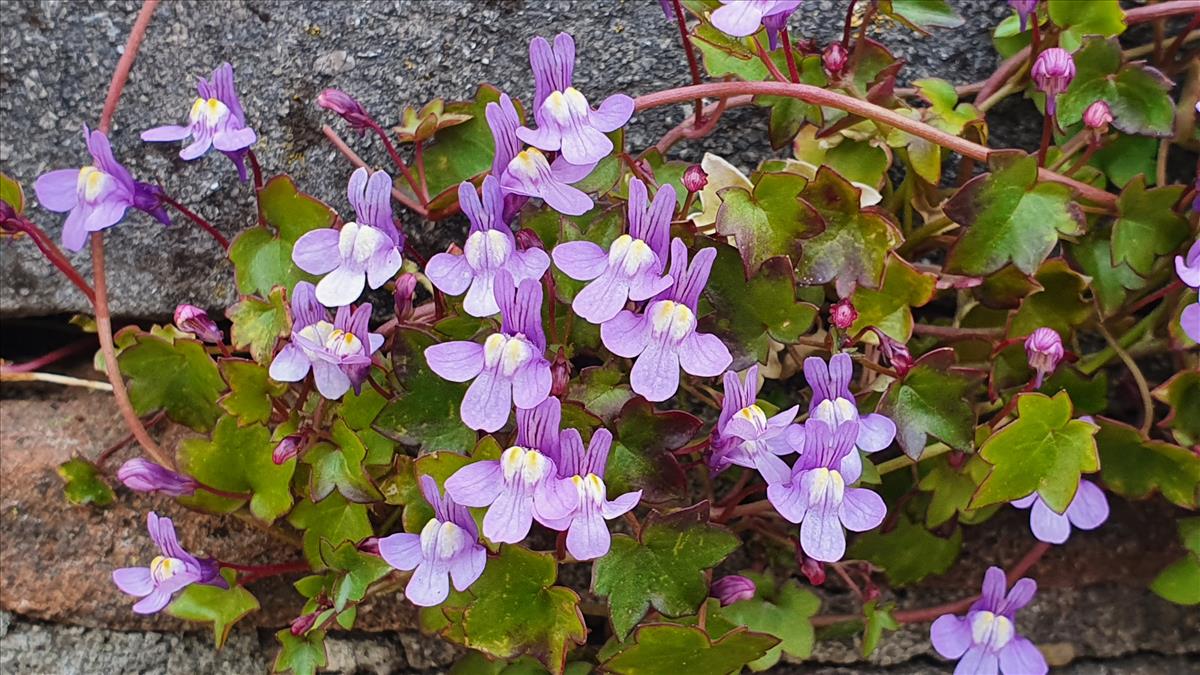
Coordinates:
1138 377
349 154
258 184
199 221
397 159
955 333
55 378
419 154
766 59
905 461
693 64
787 53
50 357
55 255
1160 167
848 23
224 493
125 63
1183 37
1093 362
150 422
1047 136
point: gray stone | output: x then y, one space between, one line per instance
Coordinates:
57 56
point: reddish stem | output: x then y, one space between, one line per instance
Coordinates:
125 63
255 572
50 357
255 169
150 422
848 25
55 255
199 221
419 153
224 493
765 57
693 64
787 52
397 159
349 154
953 333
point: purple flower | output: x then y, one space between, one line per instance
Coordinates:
578 502
666 8
168 573
746 437
530 175
566 122
338 353
447 548
96 195
503 121
490 247
742 18
664 338
520 484
141 475
833 404
1025 9
986 639
816 495
1044 349
632 269
510 366
731 589
192 319
1188 269
366 250
215 121
1053 72
1087 511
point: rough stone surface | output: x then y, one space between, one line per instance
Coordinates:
56 57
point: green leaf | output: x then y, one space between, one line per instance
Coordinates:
779 610
1136 467
1043 451
1058 305
908 553
851 250
238 459
1008 36
601 391
178 377
789 114
921 15
251 390
518 610
359 570
1180 582
1089 396
748 314
460 152
1127 156
1110 283
663 568
1078 19
1147 226
660 648
333 519
878 620
1182 394
724 55
951 489
222 607
83 483
341 467
303 655
1009 217
427 414
258 323
400 488
11 193
858 161
1138 95
890 307
769 222
642 457
932 400
262 256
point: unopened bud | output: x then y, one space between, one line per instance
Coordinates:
349 109
11 222
192 319
302 624
560 374
142 475
288 448
370 546
834 59
406 286
813 570
1044 348
871 592
731 589
842 313
895 352
1098 116
695 178
527 239
1053 72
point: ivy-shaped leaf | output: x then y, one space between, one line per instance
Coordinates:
1147 226
427 413
11 193
340 467
262 256
1138 95
663 568
890 307
642 457
951 490
724 55
251 390
851 249
659 648
421 125
1182 394
258 323
178 377
1058 305
878 619
83 483
358 571
332 519
782 610
1078 19
303 655
1180 582
1136 467
238 459
749 313
518 610
602 391
1111 282
222 607
908 553
770 221
931 400
921 15
1009 217
1043 451
789 114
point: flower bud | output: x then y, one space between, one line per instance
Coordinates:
302 624
813 570
406 286
695 178
731 589
644 170
895 352
192 319
1025 9
288 448
349 109
871 592
1044 348
527 239
12 223
1053 72
370 546
842 313
1098 116
560 374
142 475
835 58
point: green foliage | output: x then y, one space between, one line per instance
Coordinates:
1182 394
601 391
662 568
11 193
878 619
83 483
1079 19
303 655
238 460
1138 96
1042 451
340 466
262 256
211 604
177 376
770 221
669 648
889 308
333 520
251 391
1180 581
459 152
779 609
641 457
931 400
908 553
1147 226
258 324
1111 282
1058 304
922 15
358 571
951 489
1136 467
789 114
426 414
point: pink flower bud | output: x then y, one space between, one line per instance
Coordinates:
896 353
1053 72
349 109
731 589
1098 116
835 58
1044 348
142 475
560 374
302 624
288 448
842 314
192 319
527 239
406 286
695 178
813 570
370 546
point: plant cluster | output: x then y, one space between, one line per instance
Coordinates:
638 365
